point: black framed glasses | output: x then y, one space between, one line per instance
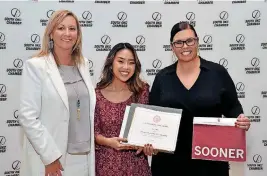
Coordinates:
180 43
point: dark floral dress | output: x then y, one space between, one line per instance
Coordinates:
108 120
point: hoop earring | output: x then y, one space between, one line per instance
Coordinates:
174 57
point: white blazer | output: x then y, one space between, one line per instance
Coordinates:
44 115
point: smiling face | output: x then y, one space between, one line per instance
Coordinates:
123 65
185 45
65 34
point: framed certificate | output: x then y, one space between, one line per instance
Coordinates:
145 124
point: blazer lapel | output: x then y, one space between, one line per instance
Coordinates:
57 80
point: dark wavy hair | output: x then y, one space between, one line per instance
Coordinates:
135 84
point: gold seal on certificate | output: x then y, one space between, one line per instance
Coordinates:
146 124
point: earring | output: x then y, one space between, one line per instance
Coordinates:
111 70
51 44
174 58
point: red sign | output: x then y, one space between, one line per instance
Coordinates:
217 142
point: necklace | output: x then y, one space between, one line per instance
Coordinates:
78 102
112 88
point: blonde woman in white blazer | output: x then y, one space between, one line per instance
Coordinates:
57 104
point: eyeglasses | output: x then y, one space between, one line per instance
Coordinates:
180 43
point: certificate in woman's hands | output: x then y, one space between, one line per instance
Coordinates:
144 124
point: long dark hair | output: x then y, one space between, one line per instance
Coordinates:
135 84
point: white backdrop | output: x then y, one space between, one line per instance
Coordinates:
232 33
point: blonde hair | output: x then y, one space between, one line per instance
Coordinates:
54 21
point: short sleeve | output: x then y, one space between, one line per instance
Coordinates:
97 120
143 97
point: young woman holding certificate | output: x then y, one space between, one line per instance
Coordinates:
202 89
120 85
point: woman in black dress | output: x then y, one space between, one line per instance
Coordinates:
201 88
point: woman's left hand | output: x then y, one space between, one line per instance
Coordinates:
148 150
242 122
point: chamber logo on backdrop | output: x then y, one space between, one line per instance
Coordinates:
264 94
264 45
35 43
138 2
255 19
240 43
44 21
167 47
190 17
102 2
66 1
15 169
155 22
140 43
2 41
105 44
17 69
255 117
156 67
171 1
254 68
223 21
240 88
14 122
204 2
86 20
239 1
14 18
91 67
2 144
121 22
264 142
256 163
207 43
224 62
3 95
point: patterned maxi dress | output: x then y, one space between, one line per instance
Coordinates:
108 120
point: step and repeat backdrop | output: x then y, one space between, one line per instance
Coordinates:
232 33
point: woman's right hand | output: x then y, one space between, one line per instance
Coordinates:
115 142
54 169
